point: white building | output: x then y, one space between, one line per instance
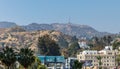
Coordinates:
83 44
107 57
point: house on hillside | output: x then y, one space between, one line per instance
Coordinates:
83 44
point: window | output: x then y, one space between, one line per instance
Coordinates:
109 53
104 57
91 57
112 60
80 57
113 64
104 64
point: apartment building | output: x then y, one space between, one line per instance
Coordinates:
108 57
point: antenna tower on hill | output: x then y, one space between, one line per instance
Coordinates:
69 20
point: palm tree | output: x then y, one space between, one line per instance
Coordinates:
9 56
100 63
1 57
26 57
77 65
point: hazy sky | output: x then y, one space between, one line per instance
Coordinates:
103 15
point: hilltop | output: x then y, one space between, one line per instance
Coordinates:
66 28
6 24
69 29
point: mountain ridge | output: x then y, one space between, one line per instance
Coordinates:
66 28
5 24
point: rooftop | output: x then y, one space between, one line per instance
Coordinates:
52 59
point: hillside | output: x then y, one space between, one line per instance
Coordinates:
18 40
2 30
7 24
68 29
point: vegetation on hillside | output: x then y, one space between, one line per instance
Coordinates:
47 46
98 43
73 49
19 40
68 45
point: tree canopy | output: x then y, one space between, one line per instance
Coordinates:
98 43
48 46
26 57
8 56
73 49
77 65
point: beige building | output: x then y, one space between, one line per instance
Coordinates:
108 57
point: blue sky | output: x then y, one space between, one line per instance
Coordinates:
103 15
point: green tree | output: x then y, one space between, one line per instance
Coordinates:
8 57
99 42
118 60
73 48
116 44
47 46
107 39
26 57
1 56
100 63
42 67
37 64
77 65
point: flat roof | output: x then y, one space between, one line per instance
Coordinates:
52 59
